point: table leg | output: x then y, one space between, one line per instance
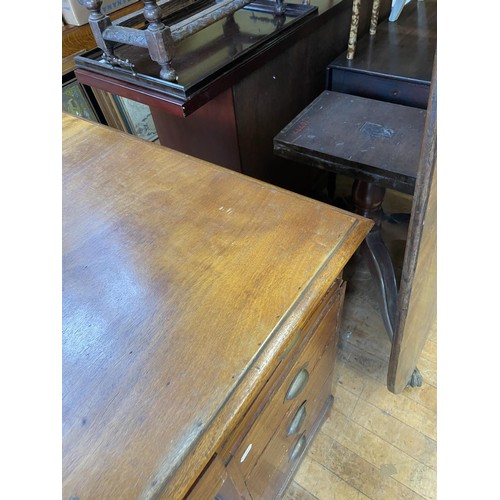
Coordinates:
379 262
367 198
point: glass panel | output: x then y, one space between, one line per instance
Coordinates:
138 118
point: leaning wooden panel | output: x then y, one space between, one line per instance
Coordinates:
184 284
417 305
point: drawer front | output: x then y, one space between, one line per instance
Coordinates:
415 94
282 455
299 386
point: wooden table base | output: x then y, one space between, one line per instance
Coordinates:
367 198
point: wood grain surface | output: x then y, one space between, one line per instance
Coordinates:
417 307
183 283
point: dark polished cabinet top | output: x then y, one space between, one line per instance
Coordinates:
210 60
205 55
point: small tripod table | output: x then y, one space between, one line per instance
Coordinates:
375 142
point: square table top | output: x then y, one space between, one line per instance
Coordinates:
364 138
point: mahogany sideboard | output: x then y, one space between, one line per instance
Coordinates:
200 316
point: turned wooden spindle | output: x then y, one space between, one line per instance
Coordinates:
152 14
159 38
98 23
94 6
367 198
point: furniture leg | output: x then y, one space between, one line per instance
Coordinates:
416 378
353 34
379 262
367 198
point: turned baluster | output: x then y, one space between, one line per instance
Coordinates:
159 39
98 23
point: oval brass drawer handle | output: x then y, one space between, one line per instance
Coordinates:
298 383
297 420
299 447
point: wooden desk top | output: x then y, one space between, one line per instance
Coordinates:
183 283
364 138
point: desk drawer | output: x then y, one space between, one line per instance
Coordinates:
300 385
283 453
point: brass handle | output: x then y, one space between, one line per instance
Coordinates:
297 420
298 383
299 447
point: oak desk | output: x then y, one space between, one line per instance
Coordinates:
200 312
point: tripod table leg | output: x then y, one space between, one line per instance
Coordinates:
367 198
381 268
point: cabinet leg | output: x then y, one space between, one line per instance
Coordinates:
416 379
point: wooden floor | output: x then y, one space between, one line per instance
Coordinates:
374 444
